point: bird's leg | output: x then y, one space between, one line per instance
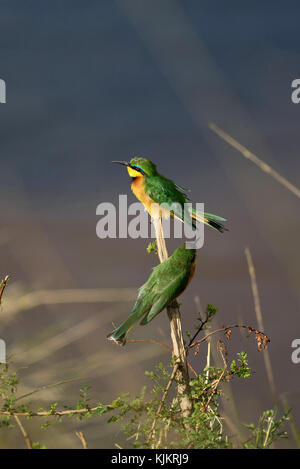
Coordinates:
176 331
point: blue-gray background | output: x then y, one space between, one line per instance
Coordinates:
91 82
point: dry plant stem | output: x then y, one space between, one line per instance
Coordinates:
80 295
176 332
255 159
224 329
42 388
24 432
81 437
208 360
151 341
160 240
56 413
3 285
259 318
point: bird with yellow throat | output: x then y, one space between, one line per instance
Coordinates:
155 190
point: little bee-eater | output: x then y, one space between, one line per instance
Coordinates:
155 190
167 281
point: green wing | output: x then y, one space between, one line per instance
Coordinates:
165 292
165 191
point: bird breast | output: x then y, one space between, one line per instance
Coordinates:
153 208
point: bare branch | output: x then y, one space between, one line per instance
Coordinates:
24 432
200 328
261 337
81 437
55 413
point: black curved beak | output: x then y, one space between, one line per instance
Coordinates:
124 163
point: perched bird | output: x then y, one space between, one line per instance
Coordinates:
155 190
166 282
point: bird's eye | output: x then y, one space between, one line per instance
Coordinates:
137 168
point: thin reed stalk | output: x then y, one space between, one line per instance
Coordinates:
255 159
260 323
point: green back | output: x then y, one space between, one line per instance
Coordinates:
163 190
167 281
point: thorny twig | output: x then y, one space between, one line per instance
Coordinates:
172 377
56 413
200 328
261 338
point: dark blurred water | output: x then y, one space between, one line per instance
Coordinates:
84 88
91 82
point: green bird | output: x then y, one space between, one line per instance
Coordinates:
166 282
155 190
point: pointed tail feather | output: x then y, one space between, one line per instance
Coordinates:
209 219
120 333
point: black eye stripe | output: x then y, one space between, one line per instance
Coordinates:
137 168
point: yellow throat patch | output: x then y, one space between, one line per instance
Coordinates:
133 173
